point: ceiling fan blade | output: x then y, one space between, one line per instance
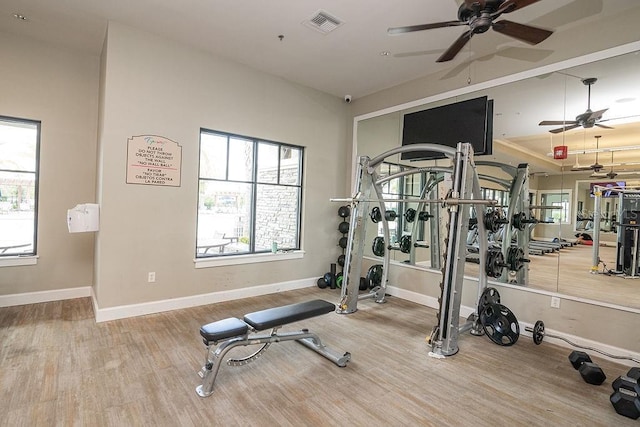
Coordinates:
416 53
564 129
456 47
596 114
522 32
557 122
603 126
411 28
618 118
511 5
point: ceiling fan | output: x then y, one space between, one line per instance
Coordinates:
596 167
588 119
479 16
611 174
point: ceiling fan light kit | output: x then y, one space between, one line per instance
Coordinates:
479 16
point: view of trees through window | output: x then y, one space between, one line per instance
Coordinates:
250 194
19 140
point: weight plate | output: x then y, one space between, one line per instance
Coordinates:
500 324
342 242
488 296
374 275
341 259
390 215
376 215
378 246
538 332
494 263
343 227
410 215
344 211
339 278
405 244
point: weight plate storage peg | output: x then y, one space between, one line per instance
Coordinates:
500 324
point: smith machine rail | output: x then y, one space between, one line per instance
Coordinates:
464 190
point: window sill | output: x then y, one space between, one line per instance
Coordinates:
246 259
15 261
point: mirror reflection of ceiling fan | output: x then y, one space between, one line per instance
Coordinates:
588 119
596 167
479 16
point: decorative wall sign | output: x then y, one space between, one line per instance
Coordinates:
153 160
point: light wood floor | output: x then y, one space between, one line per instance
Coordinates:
58 367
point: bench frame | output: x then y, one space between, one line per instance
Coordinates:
215 353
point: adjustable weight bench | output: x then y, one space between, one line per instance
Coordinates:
233 332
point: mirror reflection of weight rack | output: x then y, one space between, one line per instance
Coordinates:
629 226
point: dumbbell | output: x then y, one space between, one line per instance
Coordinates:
343 227
589 371
626 391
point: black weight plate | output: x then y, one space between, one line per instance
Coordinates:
343 227
376 215
500 324
488 296
341 259
538 332
378 246
374 275
342 242
405 244
410 215
344 211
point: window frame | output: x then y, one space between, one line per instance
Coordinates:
251 255
27 258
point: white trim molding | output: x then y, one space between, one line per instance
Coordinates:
151 307
44 296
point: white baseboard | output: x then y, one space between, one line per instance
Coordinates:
44 296
132 310
424 300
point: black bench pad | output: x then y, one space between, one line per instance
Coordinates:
279 316
222 329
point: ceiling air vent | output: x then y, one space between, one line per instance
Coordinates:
323 22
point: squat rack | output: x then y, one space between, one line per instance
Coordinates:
465 189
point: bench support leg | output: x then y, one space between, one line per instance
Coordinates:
308 339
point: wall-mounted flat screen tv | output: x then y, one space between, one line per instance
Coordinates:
608 189
465 121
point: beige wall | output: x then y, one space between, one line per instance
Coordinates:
592 322
59 88
160 87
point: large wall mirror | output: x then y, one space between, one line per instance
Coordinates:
554 94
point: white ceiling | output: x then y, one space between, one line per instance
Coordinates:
345 61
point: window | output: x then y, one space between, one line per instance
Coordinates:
250 193
19 146
556 206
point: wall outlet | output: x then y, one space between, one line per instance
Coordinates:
152 277
555 302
